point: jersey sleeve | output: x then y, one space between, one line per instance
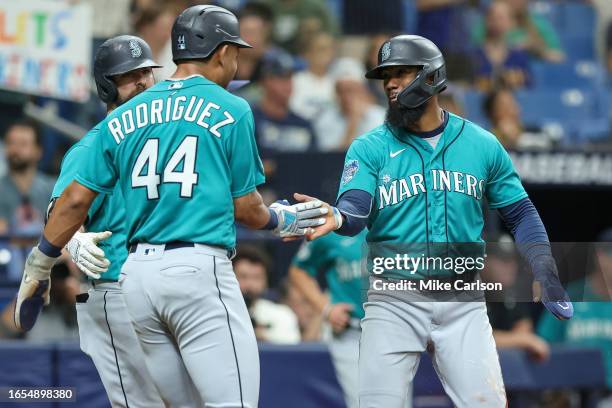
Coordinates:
503 186
69 169
98 171
310 257
68 173
360 169
245 165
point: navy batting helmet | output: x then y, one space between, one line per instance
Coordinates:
199 30
117 56
416 51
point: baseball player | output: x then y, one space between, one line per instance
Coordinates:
123 68
421 178
184 157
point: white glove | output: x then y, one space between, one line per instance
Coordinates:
34 289
296 220
86 254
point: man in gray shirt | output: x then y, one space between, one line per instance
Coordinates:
24 190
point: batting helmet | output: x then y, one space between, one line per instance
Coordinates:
413 50
117 56
199 30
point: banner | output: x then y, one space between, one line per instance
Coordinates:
564 168
45 48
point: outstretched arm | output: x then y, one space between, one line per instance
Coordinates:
523 220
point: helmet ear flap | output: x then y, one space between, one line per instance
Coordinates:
107 90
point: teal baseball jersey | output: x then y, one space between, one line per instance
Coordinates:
421 195
107 213
181 152
339 259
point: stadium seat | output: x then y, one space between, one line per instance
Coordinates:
578 19
582 112
582 74
578 47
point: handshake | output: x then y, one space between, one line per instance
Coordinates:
310 218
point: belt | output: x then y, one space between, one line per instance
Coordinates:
168 246
182 244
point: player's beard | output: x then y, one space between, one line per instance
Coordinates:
139 88
405 118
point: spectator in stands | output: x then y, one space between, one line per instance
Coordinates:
277 127
509 315
355 111
591 325
529 31
534 33
25 191
504 115
273 322
308 319
495 62
313 88
153 23
256 21
297 20
444 23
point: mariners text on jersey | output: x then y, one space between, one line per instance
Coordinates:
393 192
160 111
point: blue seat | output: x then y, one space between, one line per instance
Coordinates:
579 19
579 47
582 74
582 112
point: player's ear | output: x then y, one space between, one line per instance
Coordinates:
222 54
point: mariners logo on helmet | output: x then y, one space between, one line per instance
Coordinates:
385 51
135 48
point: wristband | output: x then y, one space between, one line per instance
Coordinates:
48 248
272 221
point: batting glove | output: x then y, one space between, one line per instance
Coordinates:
33 291
548 289
297 219
84 251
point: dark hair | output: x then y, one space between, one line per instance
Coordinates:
252 254
488 104
28 123
257 9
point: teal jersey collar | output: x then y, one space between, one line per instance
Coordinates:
450 129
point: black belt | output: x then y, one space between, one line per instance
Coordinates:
169 246
182 244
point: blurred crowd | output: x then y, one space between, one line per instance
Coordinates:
535 73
